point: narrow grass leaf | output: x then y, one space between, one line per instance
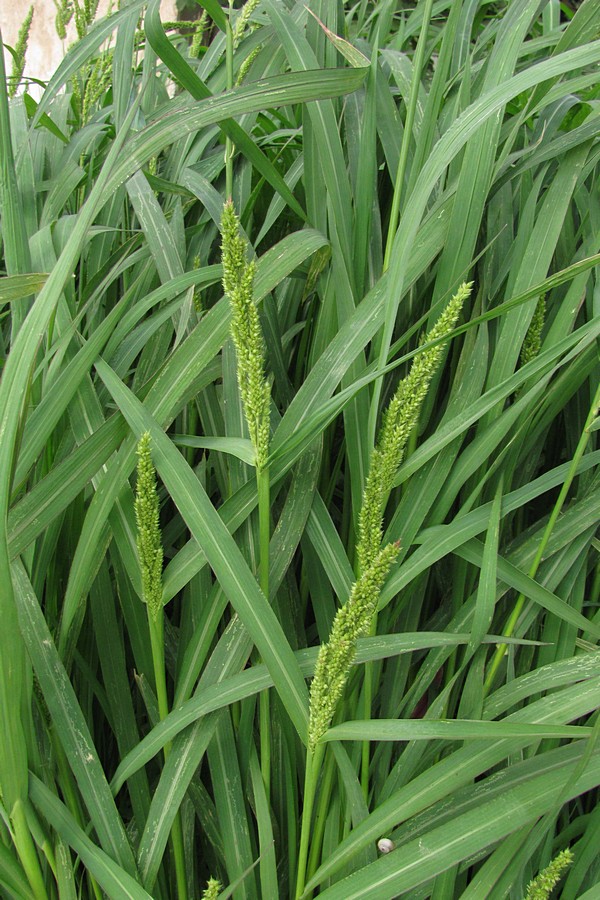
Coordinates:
486 591
457 769
19 287
446 729
116 881
190 80
72 729
421 859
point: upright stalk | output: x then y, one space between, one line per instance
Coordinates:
388 327
408 127
229 71
314 760
151 558
320 814
518 607
263 487
158 663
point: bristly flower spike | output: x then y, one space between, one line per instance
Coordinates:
200 28
533 339
541 887
64 14
212 890
238 283
149 541
18 65
335 658
399 420
242 21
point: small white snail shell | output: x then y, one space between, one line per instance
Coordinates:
385 845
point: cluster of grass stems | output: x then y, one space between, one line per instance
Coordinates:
299 465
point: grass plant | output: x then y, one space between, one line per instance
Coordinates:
244 382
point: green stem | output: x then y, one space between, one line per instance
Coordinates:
388 327
160 681
514 616
314 760
321 815
367 703
69 792
39 836
408 127
179 856
228 141
263 486
27 851
158 662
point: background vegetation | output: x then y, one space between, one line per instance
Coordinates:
378 155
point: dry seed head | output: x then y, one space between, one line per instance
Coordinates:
335 658
149 541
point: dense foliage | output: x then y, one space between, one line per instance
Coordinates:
409 482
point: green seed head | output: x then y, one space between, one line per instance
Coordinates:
18 65
399 420
213 889
196 44
242 20
64 14
246 65
149 542
541 887
335 658
238 283
533 339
